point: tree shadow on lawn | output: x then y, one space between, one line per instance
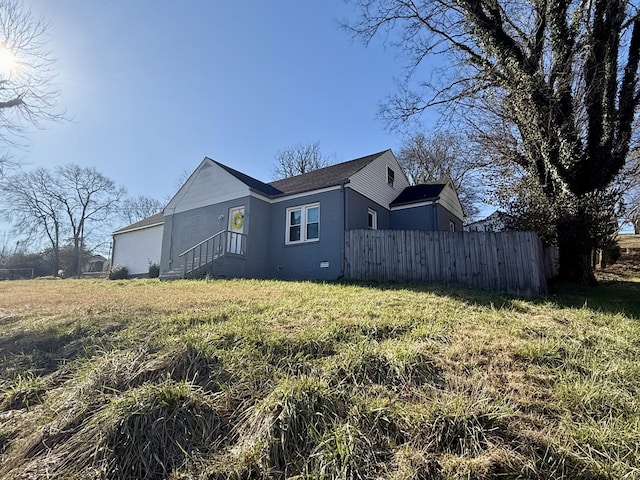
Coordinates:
42 352
610 297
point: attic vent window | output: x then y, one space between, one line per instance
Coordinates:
390 176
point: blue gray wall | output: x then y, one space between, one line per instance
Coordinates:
258 223
426 217
267 255
302 261
186 229
445 216
357 208
416 218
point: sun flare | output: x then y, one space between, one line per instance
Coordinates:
8 62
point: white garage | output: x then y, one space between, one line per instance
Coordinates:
138 245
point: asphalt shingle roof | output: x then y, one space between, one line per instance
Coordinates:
419 193
251 182
321 178
324 177
146 222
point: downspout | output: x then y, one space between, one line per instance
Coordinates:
112 251
434 217
170 259
344 228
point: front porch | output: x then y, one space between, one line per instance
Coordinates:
210 257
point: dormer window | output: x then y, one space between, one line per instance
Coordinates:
390 176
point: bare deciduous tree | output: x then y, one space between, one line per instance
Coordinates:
86 196
28 92
442 156
561 75
298 159
60 204
31 205
138 208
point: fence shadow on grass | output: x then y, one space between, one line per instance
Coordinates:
611 297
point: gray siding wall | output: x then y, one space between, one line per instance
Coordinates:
445 216
258 244
357 208
185 229
302 261
417 218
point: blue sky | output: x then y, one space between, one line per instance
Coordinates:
154 86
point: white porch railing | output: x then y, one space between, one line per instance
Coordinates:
206 252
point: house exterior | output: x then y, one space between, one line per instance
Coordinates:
496 222
138 245
222 222
96 264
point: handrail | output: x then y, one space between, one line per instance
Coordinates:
202 242
223 243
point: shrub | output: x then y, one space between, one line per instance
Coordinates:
118 273
154 270
612 254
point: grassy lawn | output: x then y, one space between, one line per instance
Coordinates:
265 379
629 241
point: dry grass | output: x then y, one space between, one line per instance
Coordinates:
629 241
265 379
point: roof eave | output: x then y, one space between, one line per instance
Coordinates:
127 230
422 200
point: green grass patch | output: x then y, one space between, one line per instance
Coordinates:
266 379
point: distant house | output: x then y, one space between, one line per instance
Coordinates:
496 222
96 264
223 222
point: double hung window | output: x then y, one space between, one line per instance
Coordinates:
372 219
303 224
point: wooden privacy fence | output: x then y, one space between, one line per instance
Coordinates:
502 262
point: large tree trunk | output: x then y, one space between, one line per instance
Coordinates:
75 259
575 247
55 264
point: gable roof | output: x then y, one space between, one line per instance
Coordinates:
153 220
324 177
251 182
419 193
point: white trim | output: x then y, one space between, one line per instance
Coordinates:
209 184
138 228
303 224
374 214
413 205
293 196
393 175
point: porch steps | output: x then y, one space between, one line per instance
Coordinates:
200 260
174 274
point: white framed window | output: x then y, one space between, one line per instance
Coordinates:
372 219
390 176
452 226
303 224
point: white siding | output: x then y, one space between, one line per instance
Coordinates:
371 181
208 185
449 200
137 249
